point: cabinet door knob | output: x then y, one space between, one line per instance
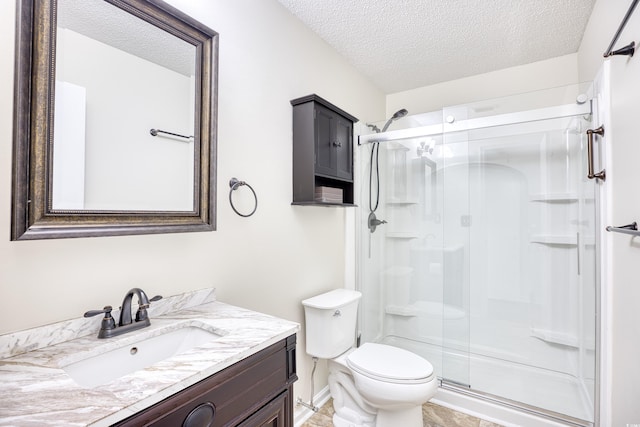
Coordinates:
337 144
201 416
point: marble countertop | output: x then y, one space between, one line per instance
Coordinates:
36 391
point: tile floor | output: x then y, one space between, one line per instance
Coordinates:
433 415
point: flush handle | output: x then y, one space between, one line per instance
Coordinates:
337 313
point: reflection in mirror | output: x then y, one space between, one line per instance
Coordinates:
93 78
116 78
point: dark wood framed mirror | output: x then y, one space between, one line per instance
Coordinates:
114 120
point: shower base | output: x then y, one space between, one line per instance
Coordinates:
557 395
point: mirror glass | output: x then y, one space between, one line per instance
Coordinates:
115 120
118 77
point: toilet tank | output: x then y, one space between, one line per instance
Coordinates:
331 322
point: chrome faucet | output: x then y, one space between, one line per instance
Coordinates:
125 324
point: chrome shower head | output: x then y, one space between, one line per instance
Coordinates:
397 115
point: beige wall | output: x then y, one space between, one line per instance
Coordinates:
547 74
621 293
268 262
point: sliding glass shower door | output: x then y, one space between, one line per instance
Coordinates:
486 263
523 211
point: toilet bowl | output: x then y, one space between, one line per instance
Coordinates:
378 385
375 385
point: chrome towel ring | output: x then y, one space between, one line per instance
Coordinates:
234 183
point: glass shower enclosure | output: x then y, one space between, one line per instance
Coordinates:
486 264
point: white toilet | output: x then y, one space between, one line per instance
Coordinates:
375 385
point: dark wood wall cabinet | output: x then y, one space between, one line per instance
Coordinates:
255 392
322 153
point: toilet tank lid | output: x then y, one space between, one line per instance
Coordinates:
332 299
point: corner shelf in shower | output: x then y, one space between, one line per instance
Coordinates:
401 235
555 239
402 202
430 309
555 337
401 310
554 197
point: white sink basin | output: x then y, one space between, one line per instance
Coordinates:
113 364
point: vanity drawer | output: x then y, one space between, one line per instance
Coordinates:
259 384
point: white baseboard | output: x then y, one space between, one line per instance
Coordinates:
302 413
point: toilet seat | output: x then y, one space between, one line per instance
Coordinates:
390 364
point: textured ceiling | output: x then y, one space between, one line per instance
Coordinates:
404 44
106 23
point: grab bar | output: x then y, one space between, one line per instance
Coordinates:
631 229
600 175
628 49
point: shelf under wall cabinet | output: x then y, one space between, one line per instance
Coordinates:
327 204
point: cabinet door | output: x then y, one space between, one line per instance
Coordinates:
272 414
325 153
334 144
343 143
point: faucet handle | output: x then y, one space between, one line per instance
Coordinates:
147 304
106 310
141 314
108 323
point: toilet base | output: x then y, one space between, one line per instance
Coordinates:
406 418
338 421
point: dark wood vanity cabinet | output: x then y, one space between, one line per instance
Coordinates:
255 392
322 150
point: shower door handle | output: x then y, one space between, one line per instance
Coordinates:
600 175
